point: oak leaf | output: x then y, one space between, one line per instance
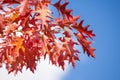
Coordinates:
29 30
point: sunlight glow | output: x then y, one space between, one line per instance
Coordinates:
45 71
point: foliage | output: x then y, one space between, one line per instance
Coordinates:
28 31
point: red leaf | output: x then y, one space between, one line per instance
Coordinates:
84 30
24 7
10 2
86 45
29 30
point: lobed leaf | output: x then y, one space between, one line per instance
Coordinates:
28 31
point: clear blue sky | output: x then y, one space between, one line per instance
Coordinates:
104 18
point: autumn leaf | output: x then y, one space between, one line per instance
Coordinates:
43 14
10 2
86 45
84 30
18 43
29 30
24 7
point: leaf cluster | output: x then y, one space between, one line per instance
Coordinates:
28 31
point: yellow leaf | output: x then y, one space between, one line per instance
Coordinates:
18 43
15 16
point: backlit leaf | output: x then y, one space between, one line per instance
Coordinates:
29 30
